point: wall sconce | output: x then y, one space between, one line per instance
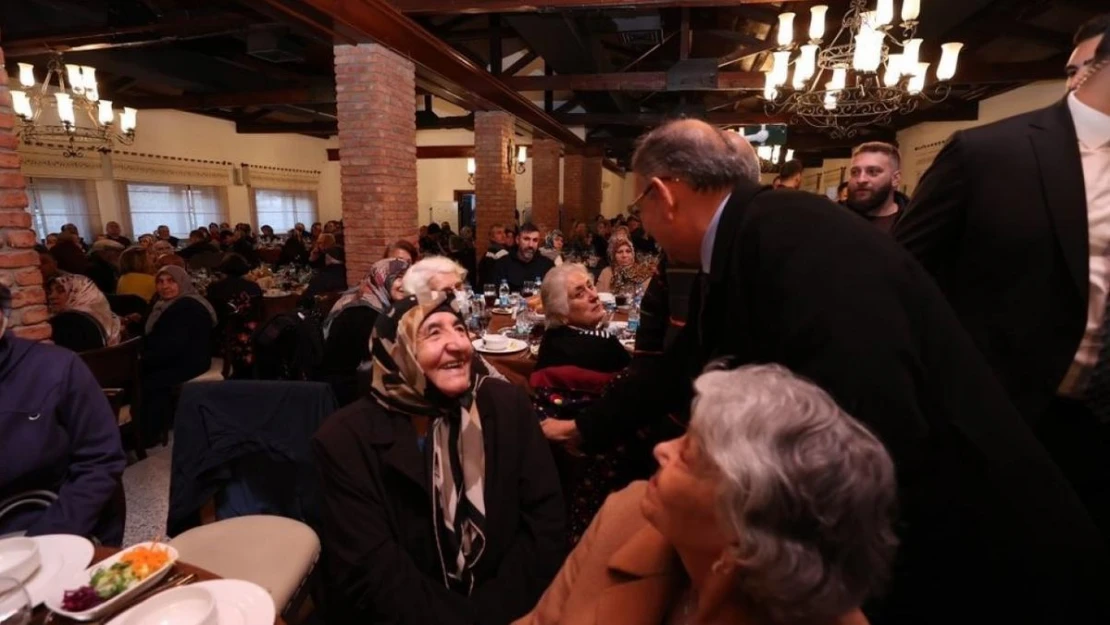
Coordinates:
521 158
471 167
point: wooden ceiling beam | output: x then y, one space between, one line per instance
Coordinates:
125 37
442 64
544 6
324 93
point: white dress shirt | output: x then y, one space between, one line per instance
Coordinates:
1092 129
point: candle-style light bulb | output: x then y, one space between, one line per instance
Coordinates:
839 79
521 154
21 104
786 29
128 120
817 22
65 108
910 10
471 166
949 57
104 112
27 75
884 13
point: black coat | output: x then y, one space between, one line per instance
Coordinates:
178 347
379 542
330 279
991 531
1000 221
515 271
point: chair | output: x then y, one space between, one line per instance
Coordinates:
244 548
271 307
118 373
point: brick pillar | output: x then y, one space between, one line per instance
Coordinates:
494 182
572 190
19 263
374 90
545 182
591 184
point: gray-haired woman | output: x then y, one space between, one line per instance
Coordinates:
774 508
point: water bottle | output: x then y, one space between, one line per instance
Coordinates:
503 294
634 318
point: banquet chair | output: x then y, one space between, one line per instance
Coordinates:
274 306
117 371
247 548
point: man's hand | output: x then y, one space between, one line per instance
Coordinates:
559 430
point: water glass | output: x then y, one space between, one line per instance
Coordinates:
15 603
489 292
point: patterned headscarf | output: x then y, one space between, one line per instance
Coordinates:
373 291
628 278
83 296
549 241
185 290
458 455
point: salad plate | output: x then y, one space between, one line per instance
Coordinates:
237 603
61 556
94 591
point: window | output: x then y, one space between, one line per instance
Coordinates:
183 208
284 208
59 201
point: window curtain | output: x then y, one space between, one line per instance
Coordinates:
183 208
59 201
283 208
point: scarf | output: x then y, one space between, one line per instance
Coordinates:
458 456
185 290
83 296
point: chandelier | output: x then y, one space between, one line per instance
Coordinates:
838 88
71 92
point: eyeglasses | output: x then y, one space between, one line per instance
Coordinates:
634 205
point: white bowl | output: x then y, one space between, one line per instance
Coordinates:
180 606
496 342
19 558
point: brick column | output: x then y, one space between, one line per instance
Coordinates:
545 182
572 190
494 182
19 263
374 90
591 184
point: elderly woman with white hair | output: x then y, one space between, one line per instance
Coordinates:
435 273
574 315
775 508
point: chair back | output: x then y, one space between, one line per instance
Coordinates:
117 366
124 305
325 302
271 307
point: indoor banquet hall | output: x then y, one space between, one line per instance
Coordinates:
560 312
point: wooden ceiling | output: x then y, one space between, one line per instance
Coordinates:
613 66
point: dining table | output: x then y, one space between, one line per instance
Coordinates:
101 553
518 367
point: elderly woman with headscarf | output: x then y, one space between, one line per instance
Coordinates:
82 318
441 501
347 327
177 347
624 275
59 435
775 508
553 247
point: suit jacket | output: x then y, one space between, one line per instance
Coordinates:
379 538
797 280
1000 220
622 571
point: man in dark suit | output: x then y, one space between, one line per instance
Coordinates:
1013 221
991 532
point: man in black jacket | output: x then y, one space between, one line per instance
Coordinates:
991 531
1013 222
522 262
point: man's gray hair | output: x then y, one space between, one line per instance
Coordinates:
806 491
702 156
418 278
553 292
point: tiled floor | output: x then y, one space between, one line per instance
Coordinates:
147 486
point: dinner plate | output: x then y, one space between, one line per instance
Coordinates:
237 603
62 557
55 598
276 294
513 346
501 311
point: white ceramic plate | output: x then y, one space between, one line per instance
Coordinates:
501 311
616 327
237 603
513 346
54 599
629 344
61 557
275 294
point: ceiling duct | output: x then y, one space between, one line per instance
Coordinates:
274 46
642 31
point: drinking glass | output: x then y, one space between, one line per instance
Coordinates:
524 323
489 292
15 603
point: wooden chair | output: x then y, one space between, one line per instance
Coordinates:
271 307
117 370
